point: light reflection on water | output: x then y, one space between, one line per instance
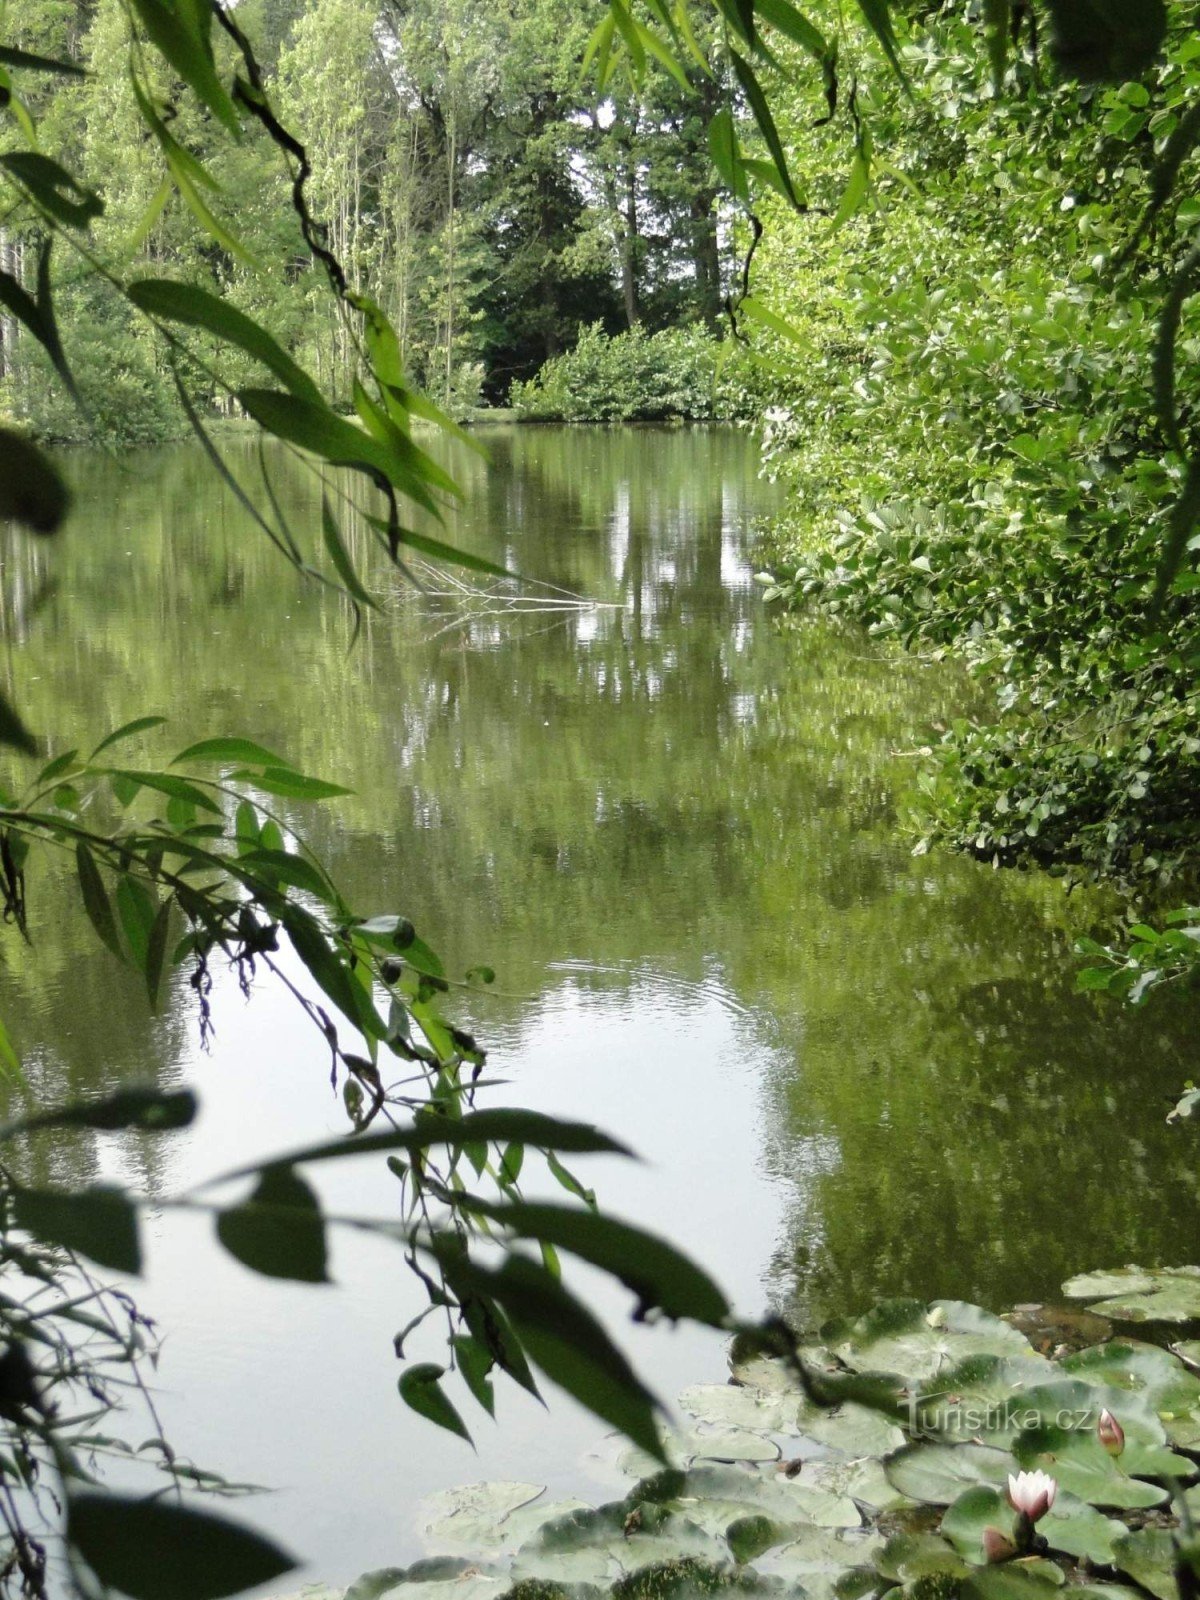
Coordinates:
678 839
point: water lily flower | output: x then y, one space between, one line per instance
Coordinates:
1110 1432
1032 1493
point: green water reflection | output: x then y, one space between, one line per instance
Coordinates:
650 792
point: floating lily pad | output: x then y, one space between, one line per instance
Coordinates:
470 1520
1077 1460
1148 1557
592 1546
1135 1294
713 1496
438 1579
1013 1580
938 1473
918 1342
1152 1373
736 1406
974 1510
910 1556
817 1558
681 1580
854 1431
979 1398
864 1481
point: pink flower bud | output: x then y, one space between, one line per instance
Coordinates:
997 1546
1110 1432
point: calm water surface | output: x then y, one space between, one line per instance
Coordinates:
678 837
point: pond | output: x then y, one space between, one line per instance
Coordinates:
679 834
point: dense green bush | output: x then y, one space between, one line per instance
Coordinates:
640 377
975 457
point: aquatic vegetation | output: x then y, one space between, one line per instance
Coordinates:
1016 1471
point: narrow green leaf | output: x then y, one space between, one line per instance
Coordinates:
187 53
159 1550
340 556
25 60
500 1125
795 25
98 1222
753 308
422 1392
197 308
95 899
223 750
10 1061
156 952
127 731
323 964
475 1362
726 154
855 191
13 731
321 432
293 785
878 17
757 100
137 909
438 550
279 1231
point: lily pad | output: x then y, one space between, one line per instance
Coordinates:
979 1398
910 1556
817 1558
1013 1580
938 1473
1188 1351
714 1496
1152 1373
1148 1557
687 1578
1071 1526
852 1430
918 1341
863 1481
1135 1294
974 1510
470 1520
1077 1460
592 1546
438 1579
736 1406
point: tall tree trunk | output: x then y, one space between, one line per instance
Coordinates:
630 242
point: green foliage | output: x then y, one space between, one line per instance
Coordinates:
677 374
976 462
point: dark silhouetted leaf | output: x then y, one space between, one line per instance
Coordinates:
279 1231
32 490
157 1550
53 187
98 1222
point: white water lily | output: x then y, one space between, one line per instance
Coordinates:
1032 1493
